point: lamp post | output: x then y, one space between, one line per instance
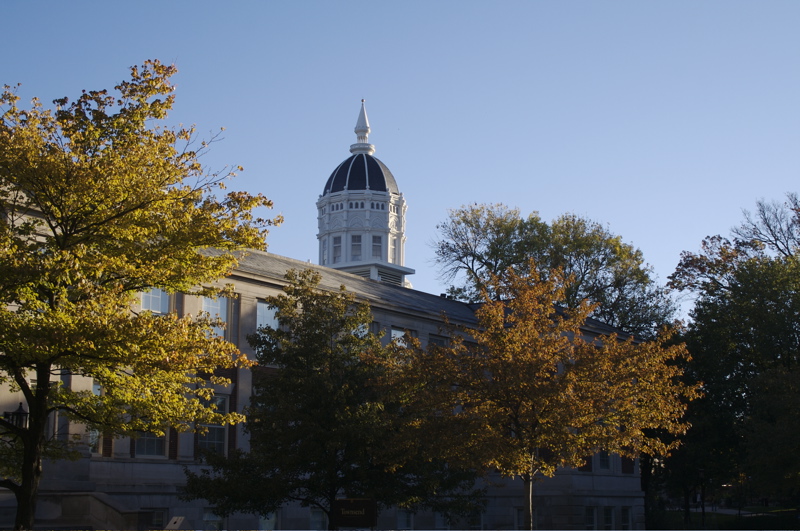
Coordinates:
18 418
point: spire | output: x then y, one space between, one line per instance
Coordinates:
362 131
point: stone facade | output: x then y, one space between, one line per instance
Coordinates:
125 484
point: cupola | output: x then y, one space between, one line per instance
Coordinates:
361 215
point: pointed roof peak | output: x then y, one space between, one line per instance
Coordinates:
362 131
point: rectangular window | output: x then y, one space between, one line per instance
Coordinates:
215 439
628 465
440 521
625 518
318 521
155 518
399 335
95 439
268 522
604 460
151 445
217 308
475 520
355 247
608 518
405 520
337 249
377 247
589 518
362 331
156 301
211 521
440 341
266 316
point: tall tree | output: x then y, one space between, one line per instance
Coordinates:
745 341
98 203
479 241
536 394
745 344
322 425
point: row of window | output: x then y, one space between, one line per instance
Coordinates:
603 458
603 517
147 444
606 518
404 520
159 302
373 205
358 249
215 439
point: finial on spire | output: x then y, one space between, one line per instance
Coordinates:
362 131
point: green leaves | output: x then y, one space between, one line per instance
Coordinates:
325 419
479 241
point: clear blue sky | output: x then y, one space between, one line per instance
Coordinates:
660 119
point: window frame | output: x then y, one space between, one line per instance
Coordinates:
223 312
204 442
337 250
147 301
377 246
266 316
356 252
146 437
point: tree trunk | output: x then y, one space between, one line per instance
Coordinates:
31 475
703 503
33 443
687 507
527 481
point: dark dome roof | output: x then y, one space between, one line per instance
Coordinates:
361 172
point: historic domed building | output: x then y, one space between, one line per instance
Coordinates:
136 483
362 215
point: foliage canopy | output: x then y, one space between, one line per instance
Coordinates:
745 342
97 204
480 241
322 425
534 391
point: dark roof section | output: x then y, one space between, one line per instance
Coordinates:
379 294
273 267
361 172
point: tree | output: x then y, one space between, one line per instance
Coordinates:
536 394
479 241
97 204
745 341
322 425
745 344
774 225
